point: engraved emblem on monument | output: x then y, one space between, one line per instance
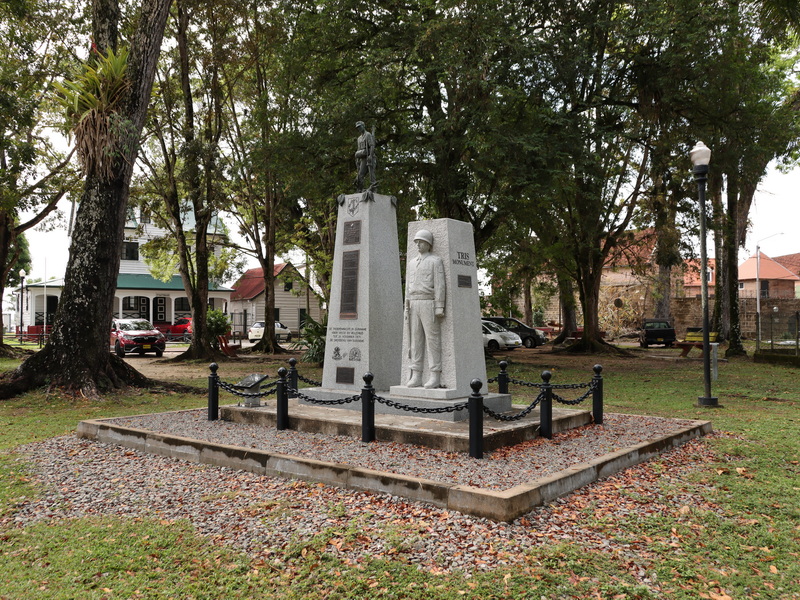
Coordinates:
337 353
352 205
348 307
355 355
352 233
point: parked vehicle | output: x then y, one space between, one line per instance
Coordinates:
256 332
182 329
497 338
530 336
136 335
656 331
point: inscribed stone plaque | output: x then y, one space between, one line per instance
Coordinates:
345 375
348 308
464 281
352 233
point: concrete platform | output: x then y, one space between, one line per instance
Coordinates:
406 427
504 505
417 397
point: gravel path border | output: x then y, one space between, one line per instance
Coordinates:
498 470
265 516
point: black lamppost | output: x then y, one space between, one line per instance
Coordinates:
700 157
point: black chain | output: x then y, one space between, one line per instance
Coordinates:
324 402
491 380
525 383
573 386
419 409
520 415
558 398
308 381
563 386
235 390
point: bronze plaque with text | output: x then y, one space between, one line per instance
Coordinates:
352 233
348 307
346 375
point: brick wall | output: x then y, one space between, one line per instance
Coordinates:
687 312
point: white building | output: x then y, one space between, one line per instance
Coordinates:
138 295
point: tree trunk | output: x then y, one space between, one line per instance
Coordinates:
566 299
663 296
731 290
527 300
589 293
76 358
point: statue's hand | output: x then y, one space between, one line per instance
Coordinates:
439 312
361 154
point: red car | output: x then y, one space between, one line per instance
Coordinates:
136 335
181 329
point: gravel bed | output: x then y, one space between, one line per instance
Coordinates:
271 519
498 470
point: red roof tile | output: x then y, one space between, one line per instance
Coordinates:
767 268
790 261
251 283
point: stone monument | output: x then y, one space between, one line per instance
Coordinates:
365 313
442 339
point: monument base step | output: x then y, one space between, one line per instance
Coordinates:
416 403
407 428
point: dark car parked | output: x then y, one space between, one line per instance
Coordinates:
531 337
656 331
136 335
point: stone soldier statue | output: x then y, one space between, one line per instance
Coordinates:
425 296
365 158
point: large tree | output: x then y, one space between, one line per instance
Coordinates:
34 177
76 358
184 188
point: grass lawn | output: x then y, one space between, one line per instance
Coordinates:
741 541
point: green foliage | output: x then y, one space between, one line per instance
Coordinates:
20 252
217 324
92 99
161 256
126 556
314 334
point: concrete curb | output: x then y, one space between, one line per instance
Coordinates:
504 505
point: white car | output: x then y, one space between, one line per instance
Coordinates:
256 332
497 338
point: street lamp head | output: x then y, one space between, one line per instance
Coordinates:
700 155
22 273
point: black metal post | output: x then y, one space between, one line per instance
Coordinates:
701 176
597 395
546 407
502 378
475 408
368 409
282 405
213 393
293 382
